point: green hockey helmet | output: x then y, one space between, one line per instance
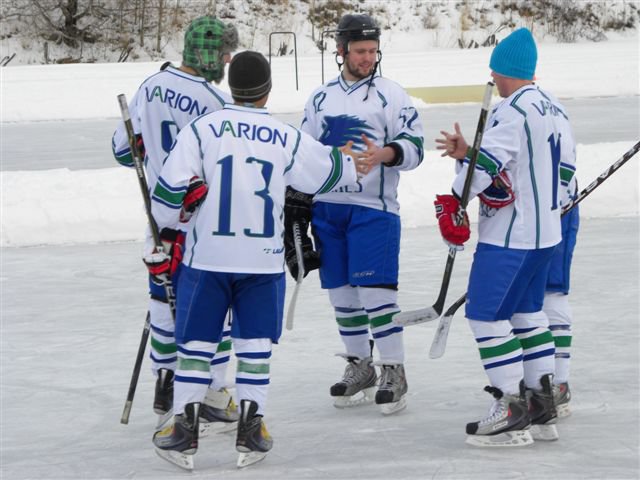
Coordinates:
206 41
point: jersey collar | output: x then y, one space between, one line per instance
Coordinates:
364 81
242 108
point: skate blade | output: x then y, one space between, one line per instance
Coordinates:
545 433
563 410
363 397
179 459
249 458
393 407
515 438
212 428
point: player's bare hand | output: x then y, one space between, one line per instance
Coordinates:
375 155
453 144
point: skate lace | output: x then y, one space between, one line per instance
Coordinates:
389 378
496 411
354 373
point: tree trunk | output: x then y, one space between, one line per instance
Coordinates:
143 7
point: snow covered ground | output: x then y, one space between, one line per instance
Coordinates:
72 314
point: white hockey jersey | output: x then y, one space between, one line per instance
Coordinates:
336 113
162 106
247 158
529 135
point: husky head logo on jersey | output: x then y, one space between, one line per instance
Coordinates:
340 129
207 42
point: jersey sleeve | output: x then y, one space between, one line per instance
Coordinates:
310 118
120 140
500 144
317 168
407 131
568 182
183 163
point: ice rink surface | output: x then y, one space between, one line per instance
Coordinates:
72 316
72 319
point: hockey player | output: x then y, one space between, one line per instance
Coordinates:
164 103
234 256
556 300
357 229
528 152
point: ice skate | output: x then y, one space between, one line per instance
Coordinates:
218 413
542 411
562 397
357 385
253 440
391 395
163 399
178 442
507 424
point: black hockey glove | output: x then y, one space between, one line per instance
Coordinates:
297 209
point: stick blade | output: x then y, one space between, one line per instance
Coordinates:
126 412
415 317
439 342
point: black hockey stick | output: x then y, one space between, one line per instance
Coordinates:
431 313
136 370
168 285
440 338
297 241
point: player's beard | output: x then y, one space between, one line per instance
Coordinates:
357 72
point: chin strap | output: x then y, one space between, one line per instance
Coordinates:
373 74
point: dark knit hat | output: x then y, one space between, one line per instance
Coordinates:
515 56
249 76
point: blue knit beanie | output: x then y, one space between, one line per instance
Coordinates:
515 56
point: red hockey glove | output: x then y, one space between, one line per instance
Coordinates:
164 263
454 235
499 194
196 193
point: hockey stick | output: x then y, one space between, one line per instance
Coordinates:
440 338
439 341
297 241
168 285
136 370
431 313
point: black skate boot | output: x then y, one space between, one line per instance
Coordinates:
163 399
357 385
253 440
542 411
507 424
393 388
178 442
